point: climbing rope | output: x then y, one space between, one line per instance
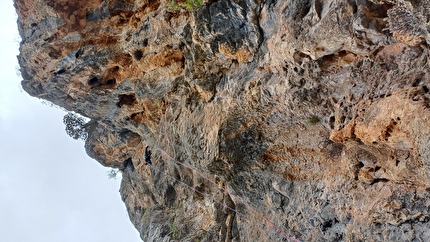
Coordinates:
238 198
207 196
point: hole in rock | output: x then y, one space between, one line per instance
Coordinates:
93 81
379 180
331 121
326 225
78 53
111 81
129 163
354 7
170 196
145 42
318 7
115 69
138 54
416 82
126 99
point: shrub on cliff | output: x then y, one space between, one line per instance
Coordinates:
189 5
75 126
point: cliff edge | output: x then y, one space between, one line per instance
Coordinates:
267 120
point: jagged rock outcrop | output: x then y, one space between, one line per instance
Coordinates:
266 119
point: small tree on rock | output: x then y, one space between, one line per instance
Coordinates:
112 173
75 126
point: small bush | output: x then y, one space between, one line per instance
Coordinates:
313 120
112 173
75 126
189 5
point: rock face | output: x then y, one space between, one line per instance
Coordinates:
267 120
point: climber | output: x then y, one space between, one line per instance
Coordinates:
148 156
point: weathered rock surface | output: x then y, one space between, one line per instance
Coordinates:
312 113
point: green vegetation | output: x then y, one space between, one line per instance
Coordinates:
313 120
174 231
112 173
76 127
189 5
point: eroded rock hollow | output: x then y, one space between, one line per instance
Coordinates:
275 120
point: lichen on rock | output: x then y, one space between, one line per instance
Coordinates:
267 120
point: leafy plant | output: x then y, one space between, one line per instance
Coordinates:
313 120
189 5
174 230
112 173
75 126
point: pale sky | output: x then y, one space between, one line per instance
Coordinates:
50 190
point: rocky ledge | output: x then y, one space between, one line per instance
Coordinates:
267 120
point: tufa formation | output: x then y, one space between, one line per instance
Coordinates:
298 120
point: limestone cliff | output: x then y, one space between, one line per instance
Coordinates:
267 120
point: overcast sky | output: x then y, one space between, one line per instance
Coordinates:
50 191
